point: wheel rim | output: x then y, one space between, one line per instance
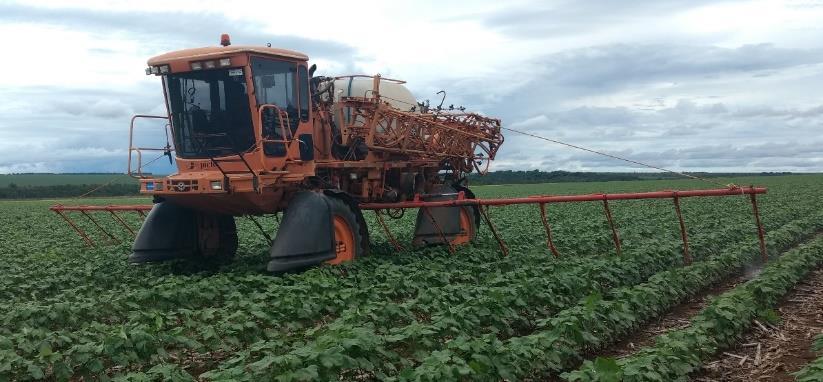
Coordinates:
466 228
343 241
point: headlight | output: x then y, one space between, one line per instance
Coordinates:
150 186
196 66
209 64
216 185
164 69
225 61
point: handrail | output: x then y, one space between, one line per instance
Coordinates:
139 150
283 128
372 77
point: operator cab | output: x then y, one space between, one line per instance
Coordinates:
229 100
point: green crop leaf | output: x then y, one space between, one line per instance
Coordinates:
818 343
769 316
35 371
61 371
607 370
45 350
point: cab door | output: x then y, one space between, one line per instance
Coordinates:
282 94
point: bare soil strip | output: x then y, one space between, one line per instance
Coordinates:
772 352
678 317
675 318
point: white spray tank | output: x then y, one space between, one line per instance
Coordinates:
391 91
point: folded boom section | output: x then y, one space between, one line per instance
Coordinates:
462 139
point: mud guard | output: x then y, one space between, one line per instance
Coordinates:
447 218
306 236
169 232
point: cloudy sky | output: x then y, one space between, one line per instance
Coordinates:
691 85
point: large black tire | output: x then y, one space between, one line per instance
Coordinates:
343 211
457 225
216 237
474 209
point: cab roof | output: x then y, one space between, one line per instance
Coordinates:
207 52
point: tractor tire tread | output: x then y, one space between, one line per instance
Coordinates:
354 217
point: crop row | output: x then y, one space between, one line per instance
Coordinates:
580 231
166 293
410 331
555 344
149 331
506 305
71 311
596 321
148 334
678 353
99 272
96 279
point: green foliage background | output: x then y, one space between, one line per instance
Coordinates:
39 186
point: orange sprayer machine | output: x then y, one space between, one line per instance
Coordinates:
253 132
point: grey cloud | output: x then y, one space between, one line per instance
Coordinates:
141 97
781 113
775 157
165 30
596 116
689 107
100 108
690 130
685 116
110 109
539 85
574 17
613 66
79 154
789 156
559 95
77 129
813 112
688 135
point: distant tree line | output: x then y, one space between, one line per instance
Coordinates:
13 191
537 176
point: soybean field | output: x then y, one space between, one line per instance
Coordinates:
73 312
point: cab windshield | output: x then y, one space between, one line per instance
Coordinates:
210 113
